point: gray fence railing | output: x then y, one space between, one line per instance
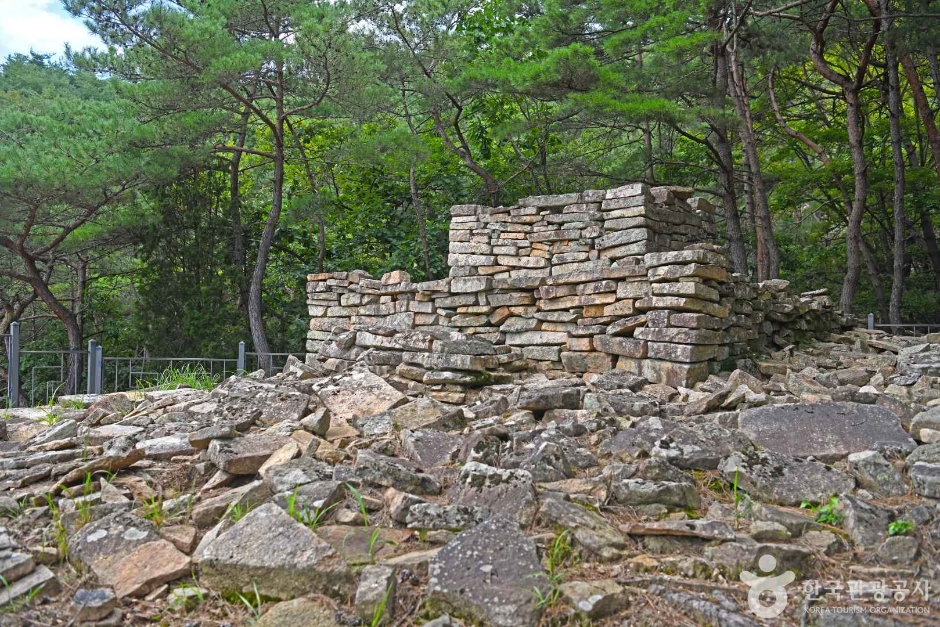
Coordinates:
104 374
11 341
917 328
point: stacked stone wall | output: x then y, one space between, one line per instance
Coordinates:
629 278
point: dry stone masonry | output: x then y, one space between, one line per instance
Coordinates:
538 439
628 278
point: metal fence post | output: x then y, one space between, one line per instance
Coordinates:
13 374
92 355
99 369
871 322
240 363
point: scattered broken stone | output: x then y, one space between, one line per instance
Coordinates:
299 563
828 431
783 480
488 573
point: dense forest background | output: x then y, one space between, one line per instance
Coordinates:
168 194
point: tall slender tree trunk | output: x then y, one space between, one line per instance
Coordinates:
255 320
729 197
853 233
874 276
930 243
768 256
422 226
897 158
66 316
235 211
321 241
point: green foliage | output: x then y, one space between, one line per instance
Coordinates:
378 616
196 377
556 557
124 156
825 513
238 511
900 528
360 502
253 605
154 511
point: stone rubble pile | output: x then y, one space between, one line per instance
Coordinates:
367 494
580 283
371 492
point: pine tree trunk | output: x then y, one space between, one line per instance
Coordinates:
853 232
897 158
768 256
422 226
729 198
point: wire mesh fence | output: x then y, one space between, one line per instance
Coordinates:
44 375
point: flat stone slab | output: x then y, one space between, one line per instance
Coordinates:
507 492
355 395
244 456
489 573
102 543
705 529
283 558
783 480
590 530
826 431
147 567
305 612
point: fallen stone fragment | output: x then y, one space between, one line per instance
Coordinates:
287 476
100 544
925 479
783 480
119 454
92 604
876 474
41 579
201 438
283 558
704 611
506 492
828 431
489 573
596 599
146 568
375 596
394 473
298 612
704 529
671 494
208 512
698 447
244 456
866 524
358 545
354 395
589 529
450 517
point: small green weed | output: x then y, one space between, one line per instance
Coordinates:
153 510
361 503
900 527
378 616
195 377
254 607
556 557
238 511
825 513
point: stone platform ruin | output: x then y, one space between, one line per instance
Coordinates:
631 279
